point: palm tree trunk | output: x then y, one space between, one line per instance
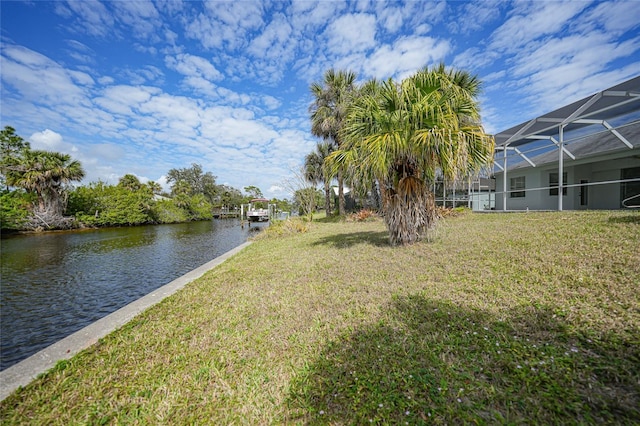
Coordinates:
375 193
327 197
341 202
409 212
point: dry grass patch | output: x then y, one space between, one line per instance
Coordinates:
502 318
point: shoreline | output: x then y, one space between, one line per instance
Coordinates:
25 371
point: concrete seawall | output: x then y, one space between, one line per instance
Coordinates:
22 373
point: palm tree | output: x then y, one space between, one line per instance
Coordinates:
332 98
403 133
130 182
315 172
155 187
45 173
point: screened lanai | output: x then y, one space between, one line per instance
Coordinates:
584 155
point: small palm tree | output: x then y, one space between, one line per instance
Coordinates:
401 134
315 172
332 98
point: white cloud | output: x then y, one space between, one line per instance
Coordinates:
391 19
475 16
532 20
140 15
123 99
225 24
307 16
270 102
275 42
37 78
613 17
105 152
351 33
162 181
47 140
92 17
406 55
193 66
149 74
474 58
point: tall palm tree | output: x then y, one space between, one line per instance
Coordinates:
45 173
403 133
332 98
315 172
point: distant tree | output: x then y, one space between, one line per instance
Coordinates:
43 173
281 205
199 208
253 191
304 192
12 148
130 182
315 172
307 199
229 196
155 187
196 180
332 99
181 192
100 204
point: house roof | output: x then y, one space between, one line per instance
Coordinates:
604 142
621 100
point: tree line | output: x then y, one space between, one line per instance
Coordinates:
37 193
389 140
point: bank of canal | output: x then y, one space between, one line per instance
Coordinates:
57 283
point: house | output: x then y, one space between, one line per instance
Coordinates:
585 155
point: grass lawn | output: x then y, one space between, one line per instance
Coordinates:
502 318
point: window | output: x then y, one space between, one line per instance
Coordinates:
553 181
517 187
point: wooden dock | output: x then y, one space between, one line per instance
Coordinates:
226 213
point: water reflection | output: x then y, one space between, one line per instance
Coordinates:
55 284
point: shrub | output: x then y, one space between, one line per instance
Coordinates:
281 228
363 215
14 209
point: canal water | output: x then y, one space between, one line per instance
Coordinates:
54 284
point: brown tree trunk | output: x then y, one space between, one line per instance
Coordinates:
409 211
327 198
48 213
341 202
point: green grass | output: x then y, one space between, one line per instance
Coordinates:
502 318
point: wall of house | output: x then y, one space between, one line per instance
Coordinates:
608 196
531 200
599 196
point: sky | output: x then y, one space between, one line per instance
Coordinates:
143 87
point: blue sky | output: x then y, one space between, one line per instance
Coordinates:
142 87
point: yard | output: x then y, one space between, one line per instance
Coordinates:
499 318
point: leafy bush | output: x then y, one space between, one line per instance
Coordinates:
363 215
199 208
100 204
452 212
167 211
281 228
14 209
